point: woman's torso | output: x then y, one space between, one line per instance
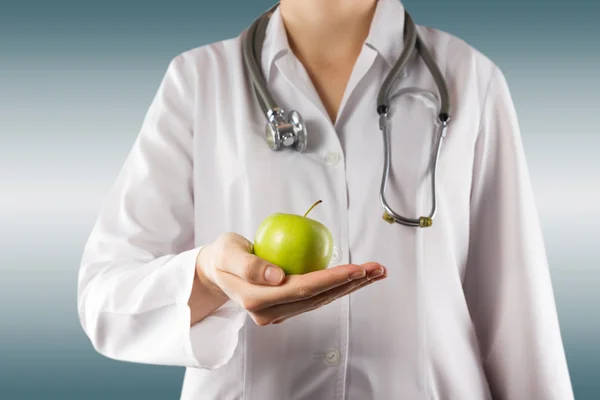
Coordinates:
407 337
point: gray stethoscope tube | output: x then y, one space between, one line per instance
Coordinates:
291 132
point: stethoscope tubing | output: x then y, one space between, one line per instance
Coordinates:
252 48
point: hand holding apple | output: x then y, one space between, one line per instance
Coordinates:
227 269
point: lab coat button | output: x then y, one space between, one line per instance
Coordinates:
332 159
332 357
336 255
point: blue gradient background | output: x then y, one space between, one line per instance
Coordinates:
77 77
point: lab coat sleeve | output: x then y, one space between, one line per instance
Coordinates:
139 262
507 281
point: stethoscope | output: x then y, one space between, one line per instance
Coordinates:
291 131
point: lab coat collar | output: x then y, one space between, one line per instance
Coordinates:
276 42
386 34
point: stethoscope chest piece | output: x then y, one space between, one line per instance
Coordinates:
291 133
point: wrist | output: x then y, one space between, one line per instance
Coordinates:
206 297
204 261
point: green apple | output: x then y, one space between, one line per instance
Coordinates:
295 243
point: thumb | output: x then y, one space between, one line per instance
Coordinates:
252 269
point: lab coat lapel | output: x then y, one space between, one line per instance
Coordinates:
363 64
295 74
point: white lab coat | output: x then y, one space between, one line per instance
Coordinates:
467 311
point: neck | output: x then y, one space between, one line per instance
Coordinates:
322 32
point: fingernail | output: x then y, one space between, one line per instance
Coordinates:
358 274
376 273
273 275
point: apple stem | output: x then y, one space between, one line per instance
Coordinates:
313 206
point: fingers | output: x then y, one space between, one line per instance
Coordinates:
297 287
301 287
280 313
369 282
